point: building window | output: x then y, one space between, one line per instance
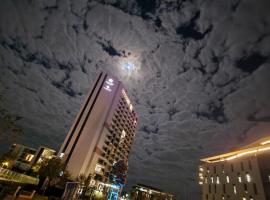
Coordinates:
201 169
269 178
98 168
223 171
245 188
248 177
255 189
239 178
234 189
205 180
244 198
249 165
242 166
228 179
217 180
209 188
29 157
212 179
224 188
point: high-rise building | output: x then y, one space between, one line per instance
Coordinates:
102 132
243 174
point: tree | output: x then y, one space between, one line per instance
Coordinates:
50 171
84 182
51 168
119 172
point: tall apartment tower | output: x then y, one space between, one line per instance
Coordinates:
102 132
243 174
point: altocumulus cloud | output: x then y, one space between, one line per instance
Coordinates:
201 83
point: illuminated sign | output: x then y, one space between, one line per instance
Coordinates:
108 84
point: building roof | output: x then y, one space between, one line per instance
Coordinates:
259 146
148 187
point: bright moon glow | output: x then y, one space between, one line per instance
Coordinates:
128 66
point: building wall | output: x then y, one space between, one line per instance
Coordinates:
264 165
24 157
91 142
234 179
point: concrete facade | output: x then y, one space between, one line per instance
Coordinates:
102 132
243 174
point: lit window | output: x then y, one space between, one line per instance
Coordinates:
205 180
248 178
29 157
200 183
234 189
269 177
201 169
228 179
212 179
98 168
244 198
61 155
217 180
123 135
240 179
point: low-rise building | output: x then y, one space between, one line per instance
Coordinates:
24 158
145 192
242 174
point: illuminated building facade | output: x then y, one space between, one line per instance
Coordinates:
24 158
243 174
144 192
102 132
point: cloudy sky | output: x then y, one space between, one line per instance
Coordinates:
200 82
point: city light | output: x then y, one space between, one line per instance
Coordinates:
248 178
264 146
265 142
5 164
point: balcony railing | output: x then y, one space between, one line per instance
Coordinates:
9 175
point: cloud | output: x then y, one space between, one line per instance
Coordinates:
200 83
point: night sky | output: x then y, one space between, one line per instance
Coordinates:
200 80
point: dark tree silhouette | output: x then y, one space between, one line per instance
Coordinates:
118 173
